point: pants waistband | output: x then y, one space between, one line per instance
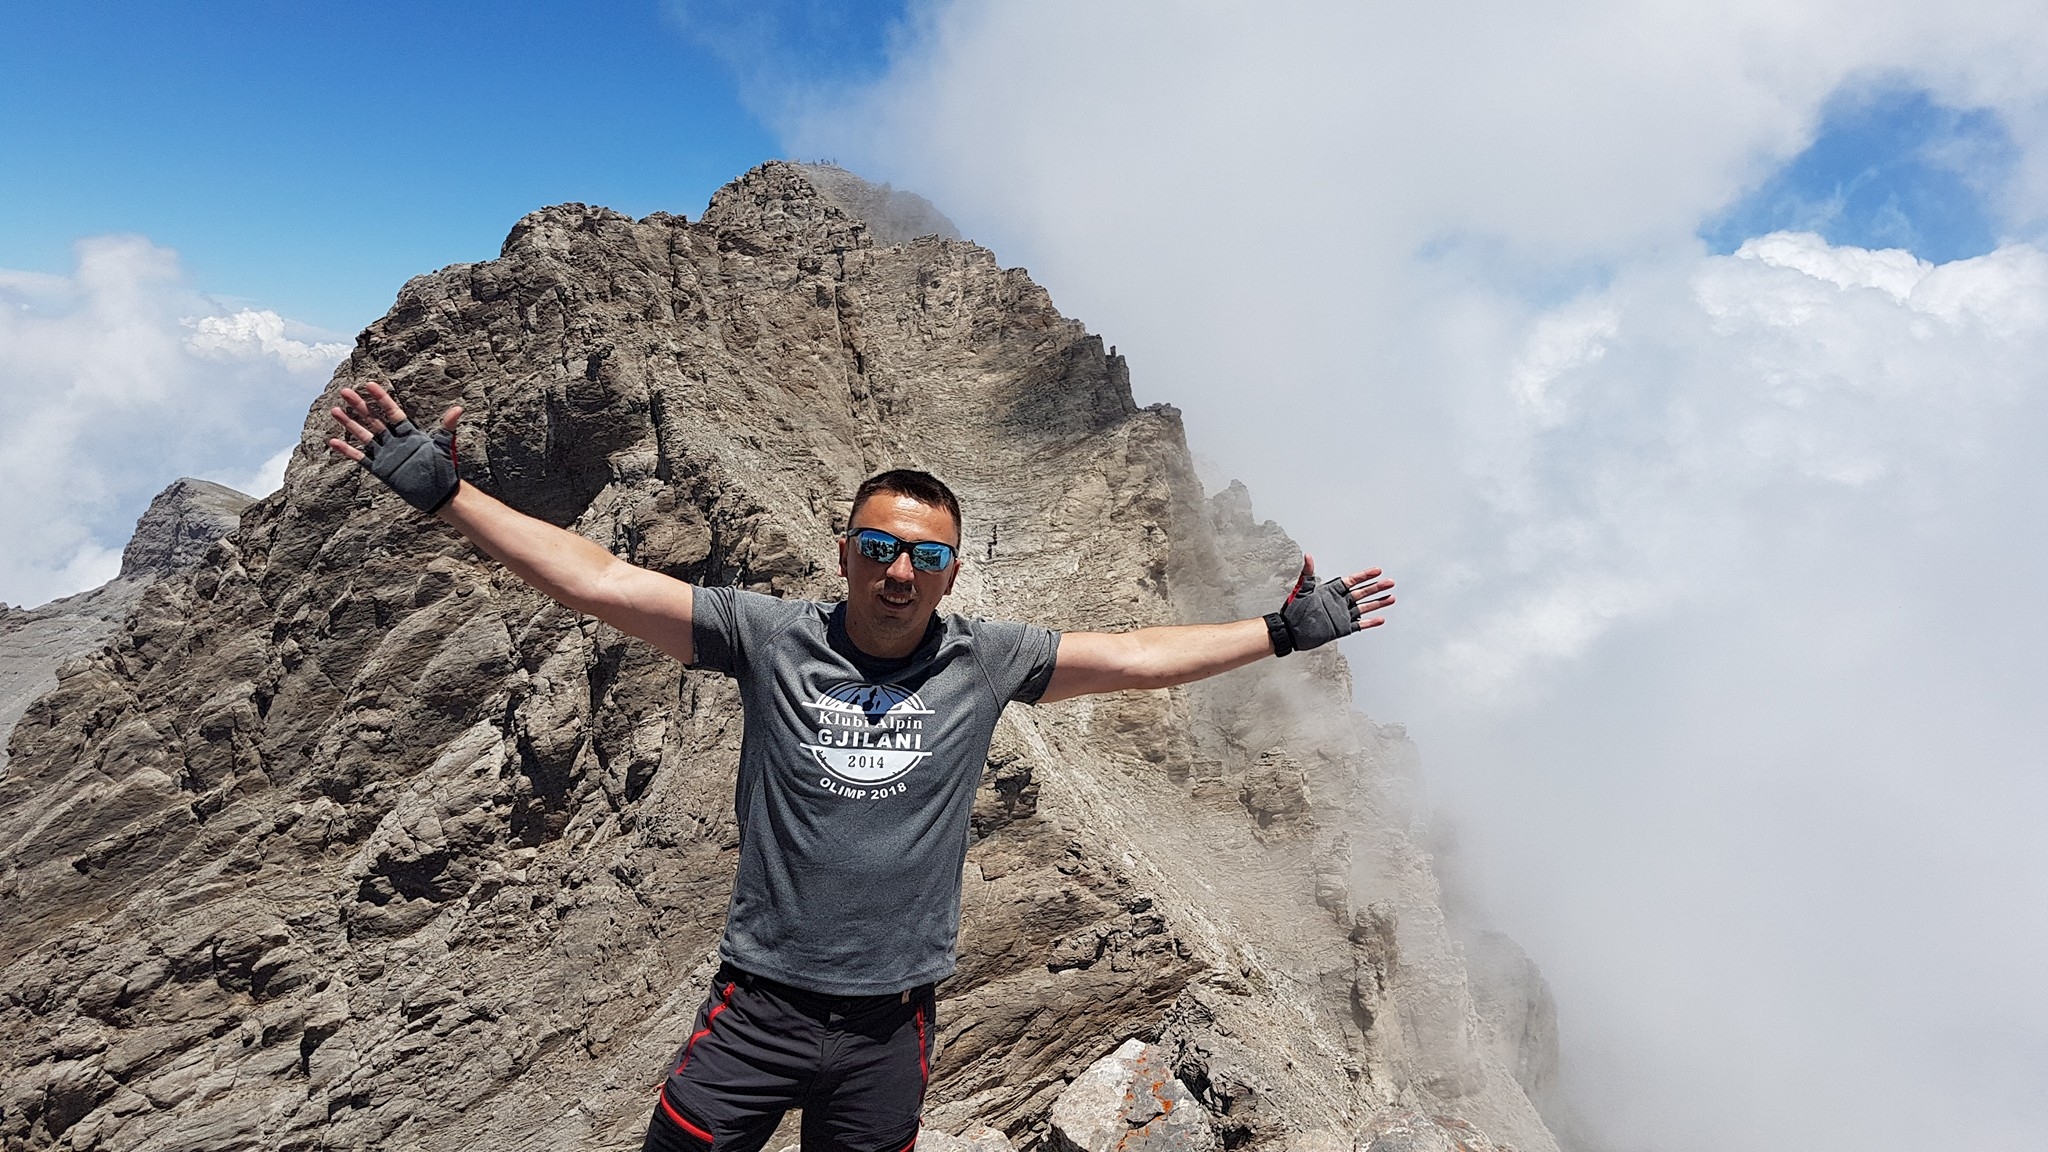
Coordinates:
805 997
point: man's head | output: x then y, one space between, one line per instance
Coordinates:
890 602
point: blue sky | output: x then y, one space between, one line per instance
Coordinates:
312 157
1889 167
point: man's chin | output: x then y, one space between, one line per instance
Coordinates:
905 612
876 621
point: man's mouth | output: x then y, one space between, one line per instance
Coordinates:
902 599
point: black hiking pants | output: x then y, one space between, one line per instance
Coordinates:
856 1065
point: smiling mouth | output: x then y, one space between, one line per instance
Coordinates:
898 599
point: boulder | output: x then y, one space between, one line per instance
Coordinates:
1130 1101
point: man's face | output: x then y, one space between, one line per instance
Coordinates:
896 599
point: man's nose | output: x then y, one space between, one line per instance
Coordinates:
901 569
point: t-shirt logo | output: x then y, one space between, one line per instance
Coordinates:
869 734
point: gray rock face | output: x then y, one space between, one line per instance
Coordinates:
977 1138
1403 1131
181 524
348 839
1275 792
1129 1101
35 642
1514 1002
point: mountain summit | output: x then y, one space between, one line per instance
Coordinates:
348 839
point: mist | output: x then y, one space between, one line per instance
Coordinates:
1719 628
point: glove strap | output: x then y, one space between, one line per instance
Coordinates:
443 502
1279 633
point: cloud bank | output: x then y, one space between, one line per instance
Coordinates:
117 379
1738 712
1721 633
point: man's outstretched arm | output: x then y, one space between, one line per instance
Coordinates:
565 566
1178 654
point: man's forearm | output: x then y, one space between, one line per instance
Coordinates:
420 467
577 573
1153 657
1180 653
556 561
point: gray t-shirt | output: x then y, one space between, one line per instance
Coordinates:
856 780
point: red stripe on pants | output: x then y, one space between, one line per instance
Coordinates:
724 1002
692 1129
924 1069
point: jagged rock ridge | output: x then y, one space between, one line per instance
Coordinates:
348 839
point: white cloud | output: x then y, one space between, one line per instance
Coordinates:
1767 824
1742 393
251 334
1722 629
1889 270
116 380
1559 343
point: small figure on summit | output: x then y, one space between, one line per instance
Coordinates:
867 723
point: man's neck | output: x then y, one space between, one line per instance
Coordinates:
885 646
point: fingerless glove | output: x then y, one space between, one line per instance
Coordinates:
1313 618
417 465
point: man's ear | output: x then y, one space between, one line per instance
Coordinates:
954 574
842 555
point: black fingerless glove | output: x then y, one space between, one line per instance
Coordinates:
1313 618
417 465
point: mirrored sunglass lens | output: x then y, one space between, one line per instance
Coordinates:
878 546
931 557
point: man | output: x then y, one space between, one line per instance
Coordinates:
867 725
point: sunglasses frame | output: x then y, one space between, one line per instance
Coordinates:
899 546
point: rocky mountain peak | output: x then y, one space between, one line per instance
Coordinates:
347 831
892 215
173 536
182 522
782 197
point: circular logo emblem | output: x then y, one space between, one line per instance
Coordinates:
869 734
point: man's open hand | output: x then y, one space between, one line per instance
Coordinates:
1316 614
418 466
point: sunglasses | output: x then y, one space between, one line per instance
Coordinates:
882 548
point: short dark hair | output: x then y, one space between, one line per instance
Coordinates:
922 487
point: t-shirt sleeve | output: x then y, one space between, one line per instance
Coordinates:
1019 658
714 629
728 623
